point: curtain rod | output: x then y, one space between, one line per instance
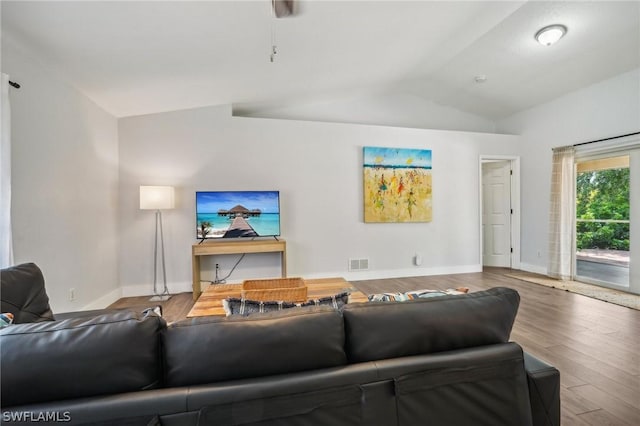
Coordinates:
607 139
14 84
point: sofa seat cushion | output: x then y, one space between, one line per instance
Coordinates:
382 330
23 294
339 406
208 350
483 386
119 409
56 360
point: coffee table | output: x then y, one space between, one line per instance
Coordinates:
210 301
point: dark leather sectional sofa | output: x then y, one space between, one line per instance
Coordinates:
440 361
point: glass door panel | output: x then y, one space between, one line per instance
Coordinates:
602 221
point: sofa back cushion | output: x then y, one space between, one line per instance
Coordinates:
23 294
383 330
107 354
207 350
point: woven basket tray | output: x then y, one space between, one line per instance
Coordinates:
276 289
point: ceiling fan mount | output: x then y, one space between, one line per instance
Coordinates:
284 8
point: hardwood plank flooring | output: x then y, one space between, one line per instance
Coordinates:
594 344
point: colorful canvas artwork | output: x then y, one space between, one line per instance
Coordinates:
397 185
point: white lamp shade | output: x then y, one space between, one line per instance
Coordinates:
156 197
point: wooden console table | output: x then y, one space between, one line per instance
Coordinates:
218 247
210 303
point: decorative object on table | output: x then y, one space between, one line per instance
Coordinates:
156 310
237 306
416 294
397 185
205 228
6 319
285 289
158 198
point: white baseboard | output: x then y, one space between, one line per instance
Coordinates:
399 273
104 301
147 289
536 269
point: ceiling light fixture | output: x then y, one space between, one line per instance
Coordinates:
550 34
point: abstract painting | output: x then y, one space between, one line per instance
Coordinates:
397 185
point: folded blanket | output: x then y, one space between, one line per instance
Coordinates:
415 294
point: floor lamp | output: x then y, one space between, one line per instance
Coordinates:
158 198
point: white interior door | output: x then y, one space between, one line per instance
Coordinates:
496 213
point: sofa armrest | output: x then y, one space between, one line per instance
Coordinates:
544 391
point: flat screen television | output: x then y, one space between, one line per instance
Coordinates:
237 214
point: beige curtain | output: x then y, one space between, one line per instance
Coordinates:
562 213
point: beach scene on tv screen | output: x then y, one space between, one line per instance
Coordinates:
235 214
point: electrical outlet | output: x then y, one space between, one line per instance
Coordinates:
539 254
217 266
72 294
417 259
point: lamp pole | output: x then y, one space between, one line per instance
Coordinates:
158 198
165 290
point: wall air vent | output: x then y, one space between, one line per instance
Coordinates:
358 264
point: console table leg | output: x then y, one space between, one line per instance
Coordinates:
197 287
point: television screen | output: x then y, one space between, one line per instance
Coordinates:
236 214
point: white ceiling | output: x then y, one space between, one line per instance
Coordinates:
143 57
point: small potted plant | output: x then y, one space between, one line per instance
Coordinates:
205 228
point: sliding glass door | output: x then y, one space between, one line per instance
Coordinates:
603 221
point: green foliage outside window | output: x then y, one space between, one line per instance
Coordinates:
603 194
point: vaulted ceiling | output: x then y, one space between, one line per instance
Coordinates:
142 57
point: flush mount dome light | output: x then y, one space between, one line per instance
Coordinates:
551 34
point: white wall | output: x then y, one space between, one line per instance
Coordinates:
609 108
388 109
64 185
317 167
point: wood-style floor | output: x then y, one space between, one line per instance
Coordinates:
594 344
